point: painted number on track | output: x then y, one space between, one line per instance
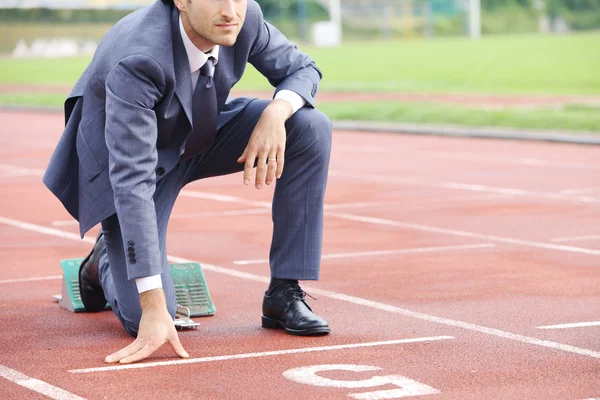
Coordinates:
406 387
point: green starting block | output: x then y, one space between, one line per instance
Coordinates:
191 291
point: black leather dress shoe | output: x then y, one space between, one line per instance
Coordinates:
284 307
90 289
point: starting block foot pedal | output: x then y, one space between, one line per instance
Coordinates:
182 319
191 289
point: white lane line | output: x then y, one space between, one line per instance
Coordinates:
36 385
10 175
382 252
405 203
261 354
470 197
407 313
530 162
572 325
516 192
363 204
224 198
461 186
354 300
20 171
536 162
500 239
207 214
227 213
425 228
575 238
46 231
64 222
335 206
376 178
39 278
267 204
580 191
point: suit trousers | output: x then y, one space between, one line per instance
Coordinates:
297 209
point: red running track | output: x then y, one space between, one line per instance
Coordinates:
447 265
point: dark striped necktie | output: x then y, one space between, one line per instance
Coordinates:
204 113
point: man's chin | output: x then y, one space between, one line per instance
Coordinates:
226 41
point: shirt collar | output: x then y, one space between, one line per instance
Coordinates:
196 57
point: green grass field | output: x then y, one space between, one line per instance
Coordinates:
519 64
571 118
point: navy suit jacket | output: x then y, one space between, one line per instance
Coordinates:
129 115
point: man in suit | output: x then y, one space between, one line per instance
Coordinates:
150 114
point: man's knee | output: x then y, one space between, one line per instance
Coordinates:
312 129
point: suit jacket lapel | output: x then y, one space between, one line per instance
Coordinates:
183 76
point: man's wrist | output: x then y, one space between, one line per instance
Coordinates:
153 299
280 109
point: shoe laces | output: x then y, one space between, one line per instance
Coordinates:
299 293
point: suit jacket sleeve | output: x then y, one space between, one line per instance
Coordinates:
133 87
274 56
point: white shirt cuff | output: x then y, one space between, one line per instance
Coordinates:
148 283
293 98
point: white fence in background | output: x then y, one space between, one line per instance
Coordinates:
122 4
53 48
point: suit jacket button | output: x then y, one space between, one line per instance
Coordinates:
160 171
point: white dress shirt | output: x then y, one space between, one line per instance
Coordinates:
197 59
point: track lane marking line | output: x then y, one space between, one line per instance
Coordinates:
575 238
454 232
460 186
206 214
21 171
259 354
45 230
580 191
64 222
36 385
382 253
223 198
571 325
331 206
489 158
419 227
572 194
263 204
34 279
342 297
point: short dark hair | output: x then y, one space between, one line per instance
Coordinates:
168 2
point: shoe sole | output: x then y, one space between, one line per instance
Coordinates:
270 323
93 306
